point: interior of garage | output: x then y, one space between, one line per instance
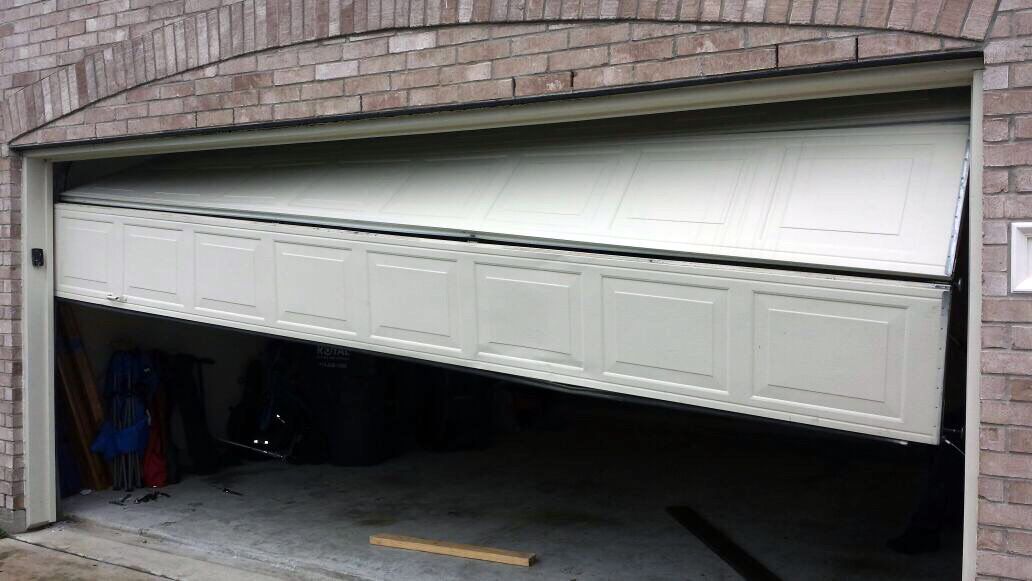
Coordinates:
584 480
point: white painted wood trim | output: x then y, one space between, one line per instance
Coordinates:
974 338
1021 257
38 346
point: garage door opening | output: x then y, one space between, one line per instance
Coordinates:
585 483
559 339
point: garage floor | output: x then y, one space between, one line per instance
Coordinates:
589 499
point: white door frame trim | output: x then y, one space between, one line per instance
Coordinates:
37 214
973 407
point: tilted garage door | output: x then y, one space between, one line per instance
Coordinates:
573 261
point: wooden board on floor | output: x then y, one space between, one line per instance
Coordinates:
453 549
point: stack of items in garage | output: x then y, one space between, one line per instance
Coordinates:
80 410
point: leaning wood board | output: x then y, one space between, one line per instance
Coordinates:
453 549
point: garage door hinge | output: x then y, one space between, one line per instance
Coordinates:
37 257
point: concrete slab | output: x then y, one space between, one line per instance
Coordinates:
27 562
589 500
151 556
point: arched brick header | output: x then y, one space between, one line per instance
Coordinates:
255 25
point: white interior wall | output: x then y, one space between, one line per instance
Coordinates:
103 331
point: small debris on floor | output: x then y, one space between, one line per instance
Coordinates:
121 501
151 496
233 492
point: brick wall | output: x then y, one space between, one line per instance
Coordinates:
73 70
460 64
1005 488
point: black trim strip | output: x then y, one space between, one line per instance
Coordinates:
640 88
735 556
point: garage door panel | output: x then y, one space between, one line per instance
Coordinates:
674 336
857 353
885 199
530 315
879 198
156 265
553 191
414 299
228 275
369 184
314 287
89 249
833 352
444 188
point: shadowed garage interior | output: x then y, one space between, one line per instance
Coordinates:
518 445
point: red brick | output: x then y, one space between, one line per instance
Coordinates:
660 48
821 51
889 44
377 101
481 51
433 95
1020 388
416 78
577 59
997 129
464 73
596 35
1009 566
485 90
336 70
992 539
716 41
544 42
544 84
369 84
215 118
735 62
1019 492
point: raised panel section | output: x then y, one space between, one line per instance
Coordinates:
313 287
442 188
672 335
156 268
830 353
88 254
367 186
693 187
529 314
851 189
560 190
227 273
414 299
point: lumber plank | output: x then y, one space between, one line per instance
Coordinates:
73 342
95 473
453 549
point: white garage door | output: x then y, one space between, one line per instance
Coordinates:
874 199
854 353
